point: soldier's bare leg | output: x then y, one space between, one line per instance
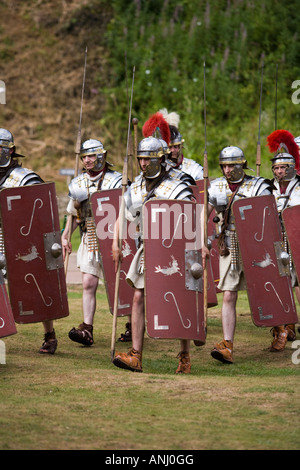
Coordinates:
89 289
229 314
138 320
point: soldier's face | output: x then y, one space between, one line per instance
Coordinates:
227 170
280 172
144 162
89 161
175 152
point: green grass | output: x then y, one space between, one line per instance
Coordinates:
77 399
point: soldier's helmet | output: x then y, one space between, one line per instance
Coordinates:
152 149
94 147
6 143
233 155
286 152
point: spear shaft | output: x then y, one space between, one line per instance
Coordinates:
121 223
258 148
205 176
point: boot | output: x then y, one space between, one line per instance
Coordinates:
223 351
131 360
184 366
280 339
50 344
83 334
127 336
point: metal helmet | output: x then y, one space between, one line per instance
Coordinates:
6 143
284 158
152 149
297 140
94 147
234 156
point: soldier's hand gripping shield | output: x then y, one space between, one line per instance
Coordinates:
34 262
265 262
173 270
105 207
291 221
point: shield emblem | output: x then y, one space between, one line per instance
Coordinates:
266 264
34 262
105 207
173 270
7 322
291 221
214 259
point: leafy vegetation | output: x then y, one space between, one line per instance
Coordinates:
167 41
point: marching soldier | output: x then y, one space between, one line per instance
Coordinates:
286 190
233 185
153 182
174 171
12 175
97 175
176 158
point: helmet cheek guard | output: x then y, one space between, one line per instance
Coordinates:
6 144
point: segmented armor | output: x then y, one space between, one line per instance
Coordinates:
80 189
20 176
192 168
84 185
291 197
182 176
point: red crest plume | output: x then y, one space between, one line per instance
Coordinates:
157 124
282 139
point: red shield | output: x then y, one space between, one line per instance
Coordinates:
291 220
7 322
105 206
173 270
264 259
32 241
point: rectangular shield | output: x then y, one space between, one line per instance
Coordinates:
105 207
34 261
291 221
265 264
173 270
7 322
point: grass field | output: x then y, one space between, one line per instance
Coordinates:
77 400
